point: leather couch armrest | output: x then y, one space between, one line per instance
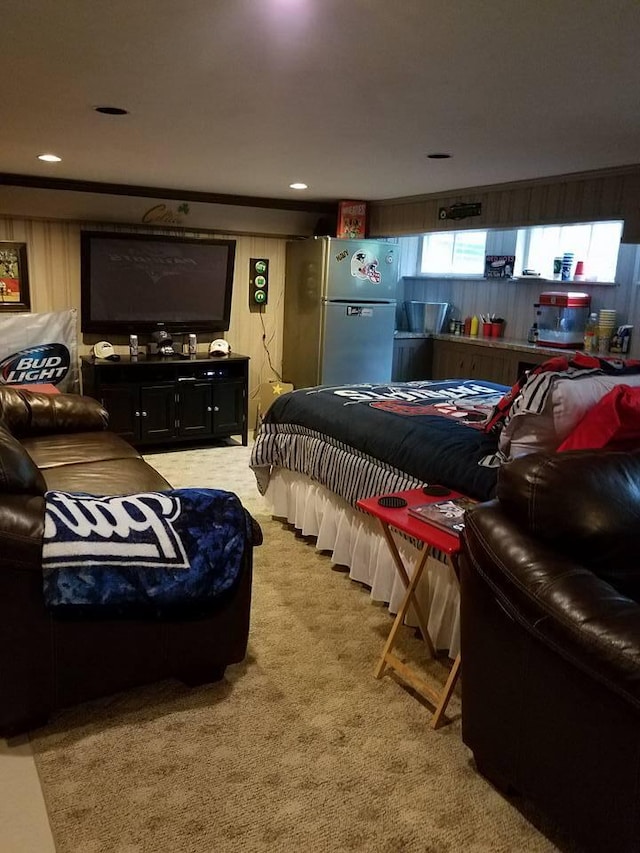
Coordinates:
18 472
585 503
29 413
21 531
566 606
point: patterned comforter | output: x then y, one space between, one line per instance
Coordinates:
362 440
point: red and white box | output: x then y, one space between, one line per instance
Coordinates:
352 220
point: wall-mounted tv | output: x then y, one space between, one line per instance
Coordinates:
142 282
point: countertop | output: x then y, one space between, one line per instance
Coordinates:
512 344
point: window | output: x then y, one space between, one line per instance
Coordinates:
453 253
595 243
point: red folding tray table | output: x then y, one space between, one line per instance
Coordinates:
434 539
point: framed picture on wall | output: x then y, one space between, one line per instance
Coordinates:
14 277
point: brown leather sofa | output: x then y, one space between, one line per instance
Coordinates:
48 661
550 634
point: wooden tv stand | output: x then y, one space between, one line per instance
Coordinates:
171 400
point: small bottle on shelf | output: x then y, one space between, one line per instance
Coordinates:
532 337
591 334
475 323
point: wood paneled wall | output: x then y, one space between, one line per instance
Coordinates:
581 197
53 249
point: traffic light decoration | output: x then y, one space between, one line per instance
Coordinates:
258 281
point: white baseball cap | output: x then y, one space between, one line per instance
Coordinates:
219 347
104 349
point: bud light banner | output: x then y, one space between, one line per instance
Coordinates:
40 349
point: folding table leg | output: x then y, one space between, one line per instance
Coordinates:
409 598
447 690
410 584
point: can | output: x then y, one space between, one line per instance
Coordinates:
133 346
193 344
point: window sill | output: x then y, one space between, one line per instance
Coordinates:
571 282
432 276
513 279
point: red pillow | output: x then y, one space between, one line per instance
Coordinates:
614 423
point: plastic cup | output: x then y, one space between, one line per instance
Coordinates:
557 268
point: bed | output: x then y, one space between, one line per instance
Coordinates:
321 449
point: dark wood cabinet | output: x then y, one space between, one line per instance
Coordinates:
412 359
462 360
171 400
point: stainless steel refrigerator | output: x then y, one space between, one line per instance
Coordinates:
339 311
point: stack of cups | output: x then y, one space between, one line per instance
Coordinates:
606 328
567 264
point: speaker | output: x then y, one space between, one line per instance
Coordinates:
258 281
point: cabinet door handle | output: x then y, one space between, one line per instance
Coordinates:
144 414
209 409
187 379
216 408
137 414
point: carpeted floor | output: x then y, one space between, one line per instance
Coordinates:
298 748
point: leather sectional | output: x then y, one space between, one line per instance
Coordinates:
47 661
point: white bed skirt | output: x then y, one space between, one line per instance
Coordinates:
354 540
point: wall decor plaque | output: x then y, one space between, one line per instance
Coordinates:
14 277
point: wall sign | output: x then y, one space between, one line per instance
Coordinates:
460 210
40 349
165 214
499 266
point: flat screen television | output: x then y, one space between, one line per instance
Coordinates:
133 283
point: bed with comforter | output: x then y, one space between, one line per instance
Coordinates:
319 450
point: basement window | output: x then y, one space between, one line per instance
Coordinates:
595 243
453 253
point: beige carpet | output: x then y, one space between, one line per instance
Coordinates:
299 748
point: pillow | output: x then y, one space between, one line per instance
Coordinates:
503 408
613 423
566 402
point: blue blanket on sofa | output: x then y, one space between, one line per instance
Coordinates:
153 548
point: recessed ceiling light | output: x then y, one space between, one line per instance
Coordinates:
112 111
438 156
49 158
298 186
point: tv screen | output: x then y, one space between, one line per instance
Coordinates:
142 282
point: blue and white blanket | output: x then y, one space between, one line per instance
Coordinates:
154 548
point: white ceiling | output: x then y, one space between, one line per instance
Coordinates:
246 96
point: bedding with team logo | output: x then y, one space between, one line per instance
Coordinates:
362 440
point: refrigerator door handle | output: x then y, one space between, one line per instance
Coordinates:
358 301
